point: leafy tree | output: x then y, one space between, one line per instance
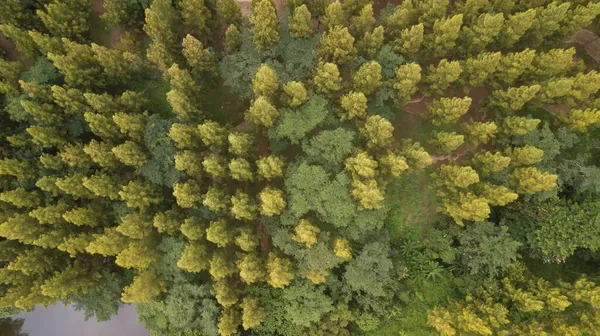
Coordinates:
530 180
301 23
265 82
271 201
305 303
67 19
368 78
372 259
232 39
440 77
330 148
448 110
294 94
327 79
229 12
336 46
445 33
265 32
446 142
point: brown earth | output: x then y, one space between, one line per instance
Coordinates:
8 47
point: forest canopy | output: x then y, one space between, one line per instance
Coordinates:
304 167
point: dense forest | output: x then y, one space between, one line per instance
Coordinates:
421 167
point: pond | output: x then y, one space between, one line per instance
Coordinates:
61 320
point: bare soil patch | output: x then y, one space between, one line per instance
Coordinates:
9 48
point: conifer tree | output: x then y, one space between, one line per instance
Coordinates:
162 20
446 142
448 110
361 165
377 131
239 169
512 99
193 228
467 206
242 207
294 94
229 321
130 154
498 195
136 225
21 198
578 18
194 258
546 22
233 39
478 71
279 271
201 60
101 153
363 22
415 154
23 42
531 180
185 136
115 12
219 233
368 194
355 105
440 77
306 233
214 165
327 78
552 64
404 16
140 194
215 199
67 19
515 27
488 162
265 82
103 184
342 249
431 10
132 125
252 312
410 40
240 144
272 201
212 134
118 66
187 194
580 120
445 33
79 65
102 126
393 164
270 167
526 155
368 78
47 44
188 162
229 12
334 15
146 285
197 18
453 177
265 31
184 96
46 136
514 65
482 33
585 85
139 254
406 82
371 42
251 268
301 23
519 125
262 113
336 46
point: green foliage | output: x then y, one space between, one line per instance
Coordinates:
295 124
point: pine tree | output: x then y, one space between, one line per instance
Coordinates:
221 266
342 249
327 78
184 94
377 131
265 31
530 180
306 233
193 228
187 194
139 254
188 162
270 167
136 225
498 195
140 194
513 66
265 82
368 194
467 206
393 164
131 154
403 17
442 41
240 170
301 23
229 12
279 271
226 294
194 258
334 15
21 198
488 162
453 177
242 207
240 144
519 125
71 100
101 153
361 165
526 155
201 60
50 214
262 113
368 78
482 33
185 136
72 184
405 83
219 233
446 142
294 94
336 46
431 10
371 42
197 18
448 110
102 126
103 184
585 85
229 322
580 120
46 136
512 99
146 286
131 124
515 27
252 312
233 39
74 156
478 71
212 135
215 199
578 18
110 243
272 201
410 40
251 268
214 165
47 44
79 65
547 21
440 77
363 22
67 19
355 105
115 12
552 64
415 154
162 20
119 67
